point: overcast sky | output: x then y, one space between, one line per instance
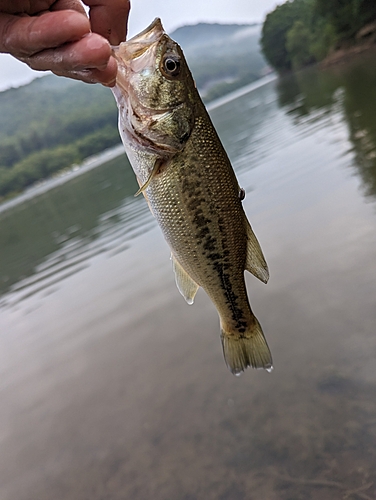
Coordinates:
173 13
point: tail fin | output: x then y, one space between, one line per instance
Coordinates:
246 349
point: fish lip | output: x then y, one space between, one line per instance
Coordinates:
140 43
152 33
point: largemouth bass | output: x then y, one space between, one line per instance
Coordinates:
187 179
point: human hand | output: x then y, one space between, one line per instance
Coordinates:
58 36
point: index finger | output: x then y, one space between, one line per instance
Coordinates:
109 18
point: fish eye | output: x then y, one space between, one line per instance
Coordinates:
171 66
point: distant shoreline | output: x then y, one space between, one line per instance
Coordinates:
64 176
111 153
216 103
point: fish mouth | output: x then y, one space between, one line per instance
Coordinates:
152 33
140 43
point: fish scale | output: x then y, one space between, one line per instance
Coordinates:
188 181
201 200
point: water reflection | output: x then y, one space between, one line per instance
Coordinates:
348 89
112 387
59 233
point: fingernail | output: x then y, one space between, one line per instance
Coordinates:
95 42
110 84
102 67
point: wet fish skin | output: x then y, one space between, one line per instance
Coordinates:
188 181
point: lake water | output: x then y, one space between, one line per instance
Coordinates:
112 387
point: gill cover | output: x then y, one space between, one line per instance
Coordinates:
156 108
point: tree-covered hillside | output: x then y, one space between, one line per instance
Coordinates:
54 123
50 124
301 32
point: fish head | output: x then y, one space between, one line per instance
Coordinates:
154 91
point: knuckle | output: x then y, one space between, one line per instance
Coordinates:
10 38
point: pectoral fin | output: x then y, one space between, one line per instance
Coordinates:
156 168
186 286
255 262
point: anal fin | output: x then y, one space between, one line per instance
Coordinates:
186 286
255 261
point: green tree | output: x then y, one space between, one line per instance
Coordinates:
298 45
347 16
10 151
278 24
98 141
274 32
324 39
300 32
